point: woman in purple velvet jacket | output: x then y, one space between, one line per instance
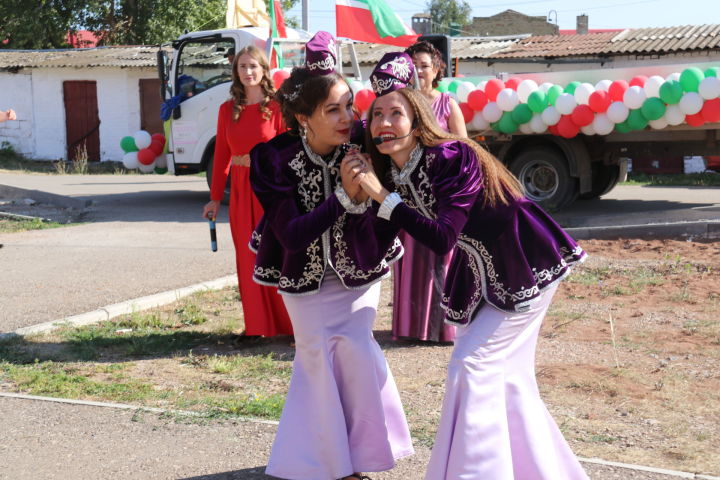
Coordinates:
449 193
343 413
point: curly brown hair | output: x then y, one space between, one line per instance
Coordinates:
435 55
237 90
500 184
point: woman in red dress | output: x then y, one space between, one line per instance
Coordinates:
249 118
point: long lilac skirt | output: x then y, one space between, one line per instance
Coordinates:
494 425
343 412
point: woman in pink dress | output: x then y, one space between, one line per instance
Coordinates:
419 275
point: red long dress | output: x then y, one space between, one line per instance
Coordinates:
263 308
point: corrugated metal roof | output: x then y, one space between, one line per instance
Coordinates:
631 41
124 57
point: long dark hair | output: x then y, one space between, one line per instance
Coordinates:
500 185
302 93
435 55
237 89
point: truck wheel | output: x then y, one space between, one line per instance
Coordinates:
208 177
604 179
544 174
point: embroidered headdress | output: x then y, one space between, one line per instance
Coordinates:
394 71
320 54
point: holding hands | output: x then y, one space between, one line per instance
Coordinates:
359 179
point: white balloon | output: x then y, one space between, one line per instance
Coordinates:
525 88
491 112
161 161
142 139
565 103
479 122
691 103
588 129
507 99
583 92
545 86
602 124
652 86
525 128
673 76
709 88
550 116
355 86
147 168
658 124
130 160
634 97
536 123
618 112
481 85
464 89
603 85
674 115
367 85
453 95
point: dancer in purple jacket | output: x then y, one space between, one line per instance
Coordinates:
509 256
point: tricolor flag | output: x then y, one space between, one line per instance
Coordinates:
277 30
372 21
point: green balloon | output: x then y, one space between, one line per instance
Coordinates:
507 124
636 120
161 170
453 86
553 93
128 144
537 101
712 72
653 108
442 87
690 79
495 126
622 127
522 113
671 92
571 87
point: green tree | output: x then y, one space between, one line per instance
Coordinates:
445 13
39 24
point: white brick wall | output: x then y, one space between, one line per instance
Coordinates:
16 93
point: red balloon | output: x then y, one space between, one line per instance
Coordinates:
553 129
493 87
157 146
599 101
146 156
582 115
513 82
567 128
638 80
363 99
617 90
158 137
467 112
696 120
279 77
477 100
711 110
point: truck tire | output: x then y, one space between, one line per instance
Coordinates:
208 177
545 177
604 179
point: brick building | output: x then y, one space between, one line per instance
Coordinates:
511 22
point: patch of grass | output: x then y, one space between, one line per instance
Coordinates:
254 405
12 161
679 180
12 225
253 366
190 314
590 275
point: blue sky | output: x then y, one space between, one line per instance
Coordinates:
607 14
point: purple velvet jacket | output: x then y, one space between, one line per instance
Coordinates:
504 255
306 229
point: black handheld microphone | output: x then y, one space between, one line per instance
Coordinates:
213 235
379 140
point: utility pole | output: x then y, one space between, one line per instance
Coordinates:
305 14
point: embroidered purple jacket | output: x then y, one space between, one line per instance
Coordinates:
305 228
504 255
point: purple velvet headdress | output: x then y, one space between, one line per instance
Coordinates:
394 71
320 54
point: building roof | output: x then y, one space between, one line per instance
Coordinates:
124 57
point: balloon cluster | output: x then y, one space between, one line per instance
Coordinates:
144 152
691 96
363 94
278 76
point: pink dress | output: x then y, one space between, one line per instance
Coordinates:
418 277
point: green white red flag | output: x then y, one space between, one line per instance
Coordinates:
277 30
372 21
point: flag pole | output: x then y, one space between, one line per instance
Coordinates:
305 14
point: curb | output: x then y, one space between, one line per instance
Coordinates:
129 306
8 191
661 471
698 229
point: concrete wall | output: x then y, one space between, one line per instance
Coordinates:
38 100
511 23
16 93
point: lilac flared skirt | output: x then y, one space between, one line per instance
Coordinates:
343 412
418 280
494 425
